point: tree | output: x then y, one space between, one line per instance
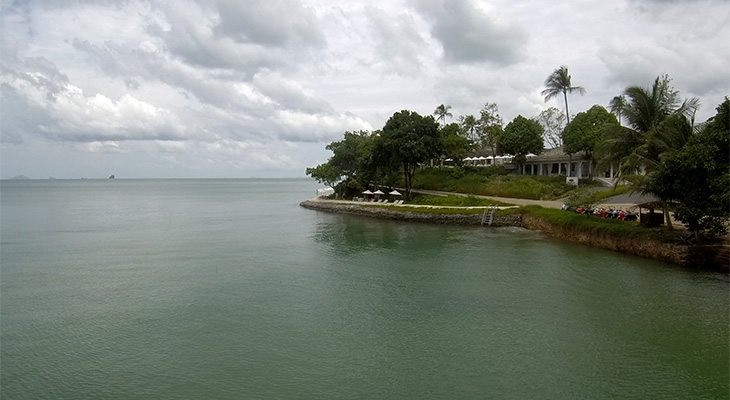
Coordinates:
408 139
489 126
584 132
657 125
559 82
697 177
521 137
454 144
553 123
617 106
441 112
351 161
468 125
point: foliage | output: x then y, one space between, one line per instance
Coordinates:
595 225
658 126
441 112
559 82
468 126
553 123
521 137
617 106
351 161
407 140
584 132
454 145
697 177
489 126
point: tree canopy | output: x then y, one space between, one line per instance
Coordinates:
407 140
560 82
521 137
351 161
441 112
697 177
489 126
585 131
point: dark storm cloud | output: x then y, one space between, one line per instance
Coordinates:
468 35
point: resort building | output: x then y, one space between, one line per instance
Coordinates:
552 161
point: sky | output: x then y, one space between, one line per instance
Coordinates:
238 89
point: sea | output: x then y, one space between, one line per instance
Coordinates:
228 289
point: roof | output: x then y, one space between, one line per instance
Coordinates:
554 155
547 155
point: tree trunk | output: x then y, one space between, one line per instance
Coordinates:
567 113
667 218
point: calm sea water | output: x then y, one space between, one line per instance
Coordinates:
227 289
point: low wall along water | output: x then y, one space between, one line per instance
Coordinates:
712 257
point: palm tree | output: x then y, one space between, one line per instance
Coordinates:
657 125
559 82
617 106
468 124
442 112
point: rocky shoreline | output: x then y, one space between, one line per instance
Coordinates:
714 258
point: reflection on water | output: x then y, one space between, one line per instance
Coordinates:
228 289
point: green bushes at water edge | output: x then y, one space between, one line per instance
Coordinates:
595 224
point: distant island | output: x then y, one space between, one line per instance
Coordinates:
19 178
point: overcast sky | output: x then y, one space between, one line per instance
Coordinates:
185 88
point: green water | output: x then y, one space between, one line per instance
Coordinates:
190 289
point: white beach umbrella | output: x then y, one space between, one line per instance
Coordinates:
367 192
378 192
394 193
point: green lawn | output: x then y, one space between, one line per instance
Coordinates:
492 182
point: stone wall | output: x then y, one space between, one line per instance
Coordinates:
380 212
716 257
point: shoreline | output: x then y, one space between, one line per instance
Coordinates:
698 257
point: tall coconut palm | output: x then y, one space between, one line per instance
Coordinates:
617 106
441 113
559 82
657 125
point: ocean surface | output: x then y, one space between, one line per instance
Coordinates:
227 289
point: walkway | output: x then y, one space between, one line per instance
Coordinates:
624 202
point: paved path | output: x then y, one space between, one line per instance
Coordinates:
623 202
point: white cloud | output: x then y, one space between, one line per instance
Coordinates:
229 88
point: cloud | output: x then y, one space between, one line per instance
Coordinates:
469 35
398 40
64 113
300 127
277 23
288 94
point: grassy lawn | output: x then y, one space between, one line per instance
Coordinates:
492 182
454 201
